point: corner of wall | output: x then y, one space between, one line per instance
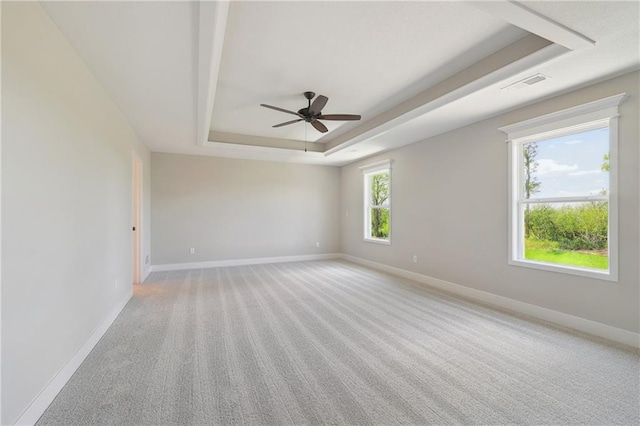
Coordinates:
40 403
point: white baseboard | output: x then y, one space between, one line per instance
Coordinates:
147 271
40 403
581 324
240 262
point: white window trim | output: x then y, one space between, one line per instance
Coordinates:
368 170
600 113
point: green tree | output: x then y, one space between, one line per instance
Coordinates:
605 162
606 166
379 195
531 183
581 227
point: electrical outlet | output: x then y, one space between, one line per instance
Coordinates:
146 260
346 214
115 284
415 258
192 250
317 243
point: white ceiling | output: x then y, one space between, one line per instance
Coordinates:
412 69
351 52
144 54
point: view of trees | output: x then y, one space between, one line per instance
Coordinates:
531 183
552 230
605 162
379 213
581 227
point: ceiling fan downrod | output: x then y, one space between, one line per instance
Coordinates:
305 111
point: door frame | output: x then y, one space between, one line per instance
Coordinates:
136 218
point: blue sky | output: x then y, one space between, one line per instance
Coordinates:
571 165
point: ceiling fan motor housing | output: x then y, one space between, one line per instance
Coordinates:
307 116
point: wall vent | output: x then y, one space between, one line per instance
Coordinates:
527 82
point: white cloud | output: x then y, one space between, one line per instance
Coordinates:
585 172
549 167
573 142
568 194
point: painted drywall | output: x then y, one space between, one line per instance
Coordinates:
66 204
449 207
236 209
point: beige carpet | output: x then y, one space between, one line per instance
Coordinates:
330 342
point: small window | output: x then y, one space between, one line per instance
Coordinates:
377 202
563 205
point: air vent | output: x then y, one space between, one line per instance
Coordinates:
527 82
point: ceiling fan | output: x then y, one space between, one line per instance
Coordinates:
313 112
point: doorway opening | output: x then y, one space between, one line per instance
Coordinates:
136 204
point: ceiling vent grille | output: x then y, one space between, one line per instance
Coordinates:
527 82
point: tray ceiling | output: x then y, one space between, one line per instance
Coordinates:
190 76
353 53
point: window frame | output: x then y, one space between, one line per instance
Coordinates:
593 115
368 171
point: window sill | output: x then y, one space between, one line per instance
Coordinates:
377 241
589 273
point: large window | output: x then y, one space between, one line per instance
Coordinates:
563 197
377 202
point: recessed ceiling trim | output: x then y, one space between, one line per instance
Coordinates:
248 152
528 52
240 139
212 27
528 20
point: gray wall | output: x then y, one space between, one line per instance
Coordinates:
234 209
66 204
449 196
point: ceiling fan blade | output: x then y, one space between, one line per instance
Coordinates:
286 123
318 104
282 110
345 117
319 126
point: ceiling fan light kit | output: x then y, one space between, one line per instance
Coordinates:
313 112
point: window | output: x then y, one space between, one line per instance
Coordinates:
563 193
377 202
